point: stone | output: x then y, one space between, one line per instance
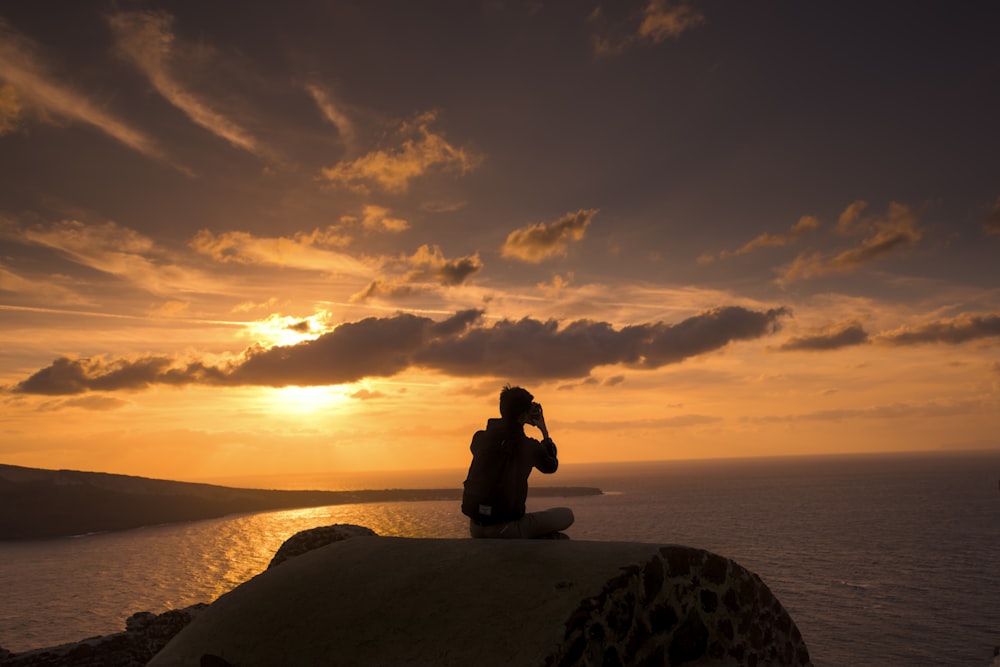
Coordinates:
457 602
314 538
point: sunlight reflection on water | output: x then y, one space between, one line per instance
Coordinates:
172 566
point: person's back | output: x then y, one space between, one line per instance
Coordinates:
502 459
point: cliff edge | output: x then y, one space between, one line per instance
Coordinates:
374 600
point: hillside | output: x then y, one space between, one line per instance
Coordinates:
37 503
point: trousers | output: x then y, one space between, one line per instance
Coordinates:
530 526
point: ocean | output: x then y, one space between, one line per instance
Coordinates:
882 560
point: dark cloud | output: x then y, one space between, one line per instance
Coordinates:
460 345
956 330
845 336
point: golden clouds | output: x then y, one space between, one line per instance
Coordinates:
301 251
116 250
662 19
391 169
883 236
658 21
543 240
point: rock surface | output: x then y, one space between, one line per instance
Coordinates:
145 634
314 538
402 601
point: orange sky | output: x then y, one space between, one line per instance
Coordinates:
690 229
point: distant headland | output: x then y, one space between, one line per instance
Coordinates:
37 503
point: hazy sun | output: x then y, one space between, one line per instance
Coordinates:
304 400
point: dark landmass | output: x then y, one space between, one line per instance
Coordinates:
36 503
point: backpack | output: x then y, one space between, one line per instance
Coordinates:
490 494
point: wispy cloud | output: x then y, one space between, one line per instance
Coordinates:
333 113
897 230
658 21
309 251
30 89
147 40
391 169
46 291
378 218
806 223
462 345
115 250
543 240
426 267
844 335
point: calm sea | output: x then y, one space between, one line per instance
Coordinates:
882 560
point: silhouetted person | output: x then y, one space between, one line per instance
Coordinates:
502 459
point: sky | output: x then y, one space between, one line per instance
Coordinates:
277 238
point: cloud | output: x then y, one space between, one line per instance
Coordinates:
367 395
30 88
953 331
301 251
146 39
377 218
850 217
658 21
10 109
543 240
427 266
461 345
420 150
116 250
50 291
846 335
806 223
333 113
992 223
886 235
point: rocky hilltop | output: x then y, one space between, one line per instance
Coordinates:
37 503
342 595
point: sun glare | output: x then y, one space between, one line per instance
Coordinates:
305 400
282 330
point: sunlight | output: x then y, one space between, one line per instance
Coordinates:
282 330
305 400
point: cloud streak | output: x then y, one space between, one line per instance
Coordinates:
146 39
806 223
542 240
30 88
462 345
897 230
115 250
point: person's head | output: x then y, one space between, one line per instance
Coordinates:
514 403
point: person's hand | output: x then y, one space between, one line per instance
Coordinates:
539 423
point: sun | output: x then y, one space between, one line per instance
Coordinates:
305 400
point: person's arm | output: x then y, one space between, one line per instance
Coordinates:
547 459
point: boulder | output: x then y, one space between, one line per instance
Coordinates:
313 538
405 601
